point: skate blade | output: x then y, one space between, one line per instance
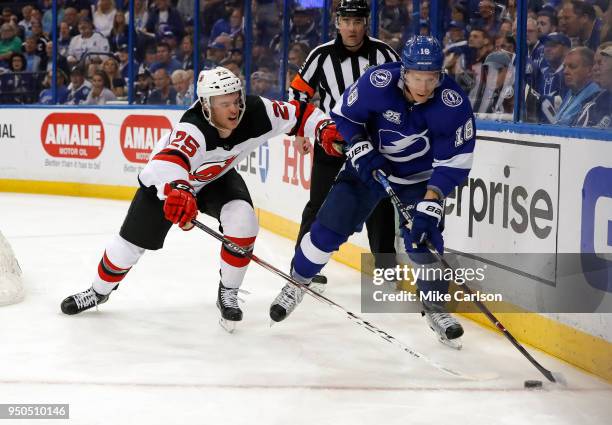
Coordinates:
455 344
228 325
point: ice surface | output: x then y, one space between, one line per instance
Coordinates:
155 354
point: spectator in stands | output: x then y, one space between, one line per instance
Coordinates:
532 34
577 73
100 92
456 50
214 55
170 39
546 23
303 29
78 88
510 12
297 53
597 111
394 21
186 53
33 61
9 43
237 56
87 41
92 67
141 15
63 39
186 8
24 24
163 17
71 18
180 82
498 94
262 84
229 25
116 82
506 43
142 86
164 93
18 86
61 61
459 14
41 41
578 21
123 60
104 16
119 34
548 87
480 45
164 60
5 18
150 56
83 7
606 28
46 95
232 65
505 28
47 18
487 18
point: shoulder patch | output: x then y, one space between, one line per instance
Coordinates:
380 78
451 98
353 95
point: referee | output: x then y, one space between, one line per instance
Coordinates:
331 68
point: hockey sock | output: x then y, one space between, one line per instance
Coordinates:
430 277
239 224
119 257
315 250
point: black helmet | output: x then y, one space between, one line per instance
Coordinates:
357 8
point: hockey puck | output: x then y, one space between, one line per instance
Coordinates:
533 384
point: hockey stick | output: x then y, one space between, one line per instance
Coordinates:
352 316
403 210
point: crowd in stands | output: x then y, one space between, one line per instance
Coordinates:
568 71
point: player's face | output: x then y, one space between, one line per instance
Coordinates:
419 85
225 110
352 29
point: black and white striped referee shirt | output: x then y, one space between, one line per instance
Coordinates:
332 68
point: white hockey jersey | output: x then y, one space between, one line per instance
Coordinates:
194 152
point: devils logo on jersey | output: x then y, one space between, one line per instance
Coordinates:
210 170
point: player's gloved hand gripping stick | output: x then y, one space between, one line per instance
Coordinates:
330 139
407 215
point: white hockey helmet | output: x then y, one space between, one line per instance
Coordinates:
216 82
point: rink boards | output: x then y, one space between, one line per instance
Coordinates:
546 195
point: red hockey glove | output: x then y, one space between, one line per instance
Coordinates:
180 205
329 138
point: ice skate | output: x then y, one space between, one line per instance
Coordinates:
318 283
445 326
82 301
288 299
227 302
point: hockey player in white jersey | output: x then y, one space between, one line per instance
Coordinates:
192 169
415 124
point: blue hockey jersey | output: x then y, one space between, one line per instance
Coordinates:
431 141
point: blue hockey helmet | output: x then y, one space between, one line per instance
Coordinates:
422 53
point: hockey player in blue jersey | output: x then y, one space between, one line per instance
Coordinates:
414 123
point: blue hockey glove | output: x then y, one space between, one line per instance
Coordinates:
426 225
365 160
